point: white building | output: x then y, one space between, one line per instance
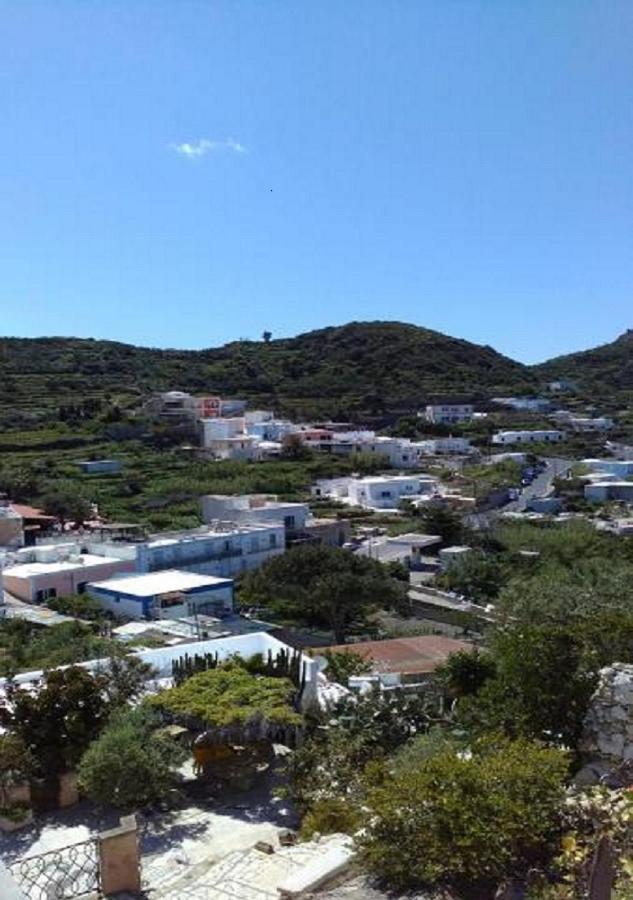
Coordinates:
254 509
448 413
11 526
545 436
254 416
518 458
524 404
170 594
582 423
172 406
562 384
386 492
270 429
452 557
439 446
224 550
227 438
621 468
299 524
604 491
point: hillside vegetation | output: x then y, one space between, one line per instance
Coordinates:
361 368
604 373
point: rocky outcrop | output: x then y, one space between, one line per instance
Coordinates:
608 732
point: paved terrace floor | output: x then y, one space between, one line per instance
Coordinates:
179 847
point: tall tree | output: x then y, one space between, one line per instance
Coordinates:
323 586
58 721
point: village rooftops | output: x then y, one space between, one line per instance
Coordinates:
154 583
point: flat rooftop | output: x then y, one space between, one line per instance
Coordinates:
153 583
416 540
611 484
390 479
30 569
408 656
210 535
188 627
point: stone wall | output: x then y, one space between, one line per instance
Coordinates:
608 732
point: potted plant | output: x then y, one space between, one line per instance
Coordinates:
15 816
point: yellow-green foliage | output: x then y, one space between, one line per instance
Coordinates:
230 696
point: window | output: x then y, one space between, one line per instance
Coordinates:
289 521
81 587
273 540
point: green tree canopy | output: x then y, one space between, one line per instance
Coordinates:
58 721
322 586
132 763
545 675
467 820
67 503
442 521
479 577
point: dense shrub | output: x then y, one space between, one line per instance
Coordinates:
468 820
132 763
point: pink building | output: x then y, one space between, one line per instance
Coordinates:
208 407
37 581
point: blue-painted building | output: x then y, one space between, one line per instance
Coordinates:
164 595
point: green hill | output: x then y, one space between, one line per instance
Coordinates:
362 368
603 373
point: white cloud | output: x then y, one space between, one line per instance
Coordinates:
197 149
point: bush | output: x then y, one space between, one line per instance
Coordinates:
80 606
466 820
341 664
465 672
132 763
332 815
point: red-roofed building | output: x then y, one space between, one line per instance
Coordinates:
405 660
35 522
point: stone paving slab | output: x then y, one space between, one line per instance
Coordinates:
248 875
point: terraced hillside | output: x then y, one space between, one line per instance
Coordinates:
355 369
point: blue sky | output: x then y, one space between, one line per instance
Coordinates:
186 173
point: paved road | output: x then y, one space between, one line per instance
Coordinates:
540 487
542 484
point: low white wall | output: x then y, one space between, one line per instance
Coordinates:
161 658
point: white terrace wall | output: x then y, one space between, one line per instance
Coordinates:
161 659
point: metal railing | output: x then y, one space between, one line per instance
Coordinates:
60 874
